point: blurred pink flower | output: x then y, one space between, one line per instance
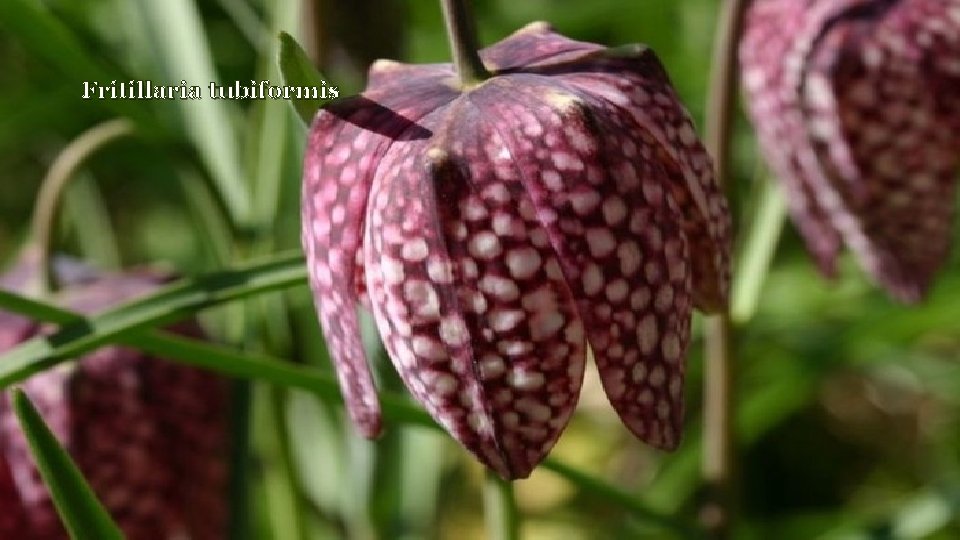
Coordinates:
150 436
857 106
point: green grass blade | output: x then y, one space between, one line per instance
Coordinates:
82 514
166 305
183 47
396 409
298 70
46 38
758 252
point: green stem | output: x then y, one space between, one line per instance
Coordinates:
463 41
718 464
280 478
51 190
758 252
503 518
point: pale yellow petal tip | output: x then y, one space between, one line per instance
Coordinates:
538 27
384 64
562 101
436 155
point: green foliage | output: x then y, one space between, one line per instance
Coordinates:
297 70
82 514
849 406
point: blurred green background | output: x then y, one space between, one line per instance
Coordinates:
848 404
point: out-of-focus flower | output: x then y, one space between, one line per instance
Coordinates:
857 106
150 436
497 230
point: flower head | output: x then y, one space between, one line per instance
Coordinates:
857 105
149 435
498 230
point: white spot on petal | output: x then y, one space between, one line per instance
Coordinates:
422 297
445 384
503 320
515 348
522 379
545 325
392 271
671 347
491 366
630 257
440 270
647 333
592 279
657 377
523 262
485 245
600 242
614 210
500 287
584 202
617 290
414 250
453 331
426 347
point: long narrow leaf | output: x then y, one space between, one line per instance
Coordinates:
396 409
183 47
82 514
167 305
243 365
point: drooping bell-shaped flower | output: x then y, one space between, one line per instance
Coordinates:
498 230
150 436
857 107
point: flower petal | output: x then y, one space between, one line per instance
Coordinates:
171 421
609 220
13 518
631 84
469 297
889 164
778 36
533 44
344 149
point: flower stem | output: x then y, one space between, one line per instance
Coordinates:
717 512
51 190
503 520
463 41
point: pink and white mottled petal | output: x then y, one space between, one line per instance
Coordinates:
609 220
778 35
391 77
470 311
13 517
345 145
635 91
889 164
533 44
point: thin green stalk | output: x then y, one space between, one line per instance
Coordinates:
280 475
758 252
502 516
462 35
240 407
718 464
58 176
